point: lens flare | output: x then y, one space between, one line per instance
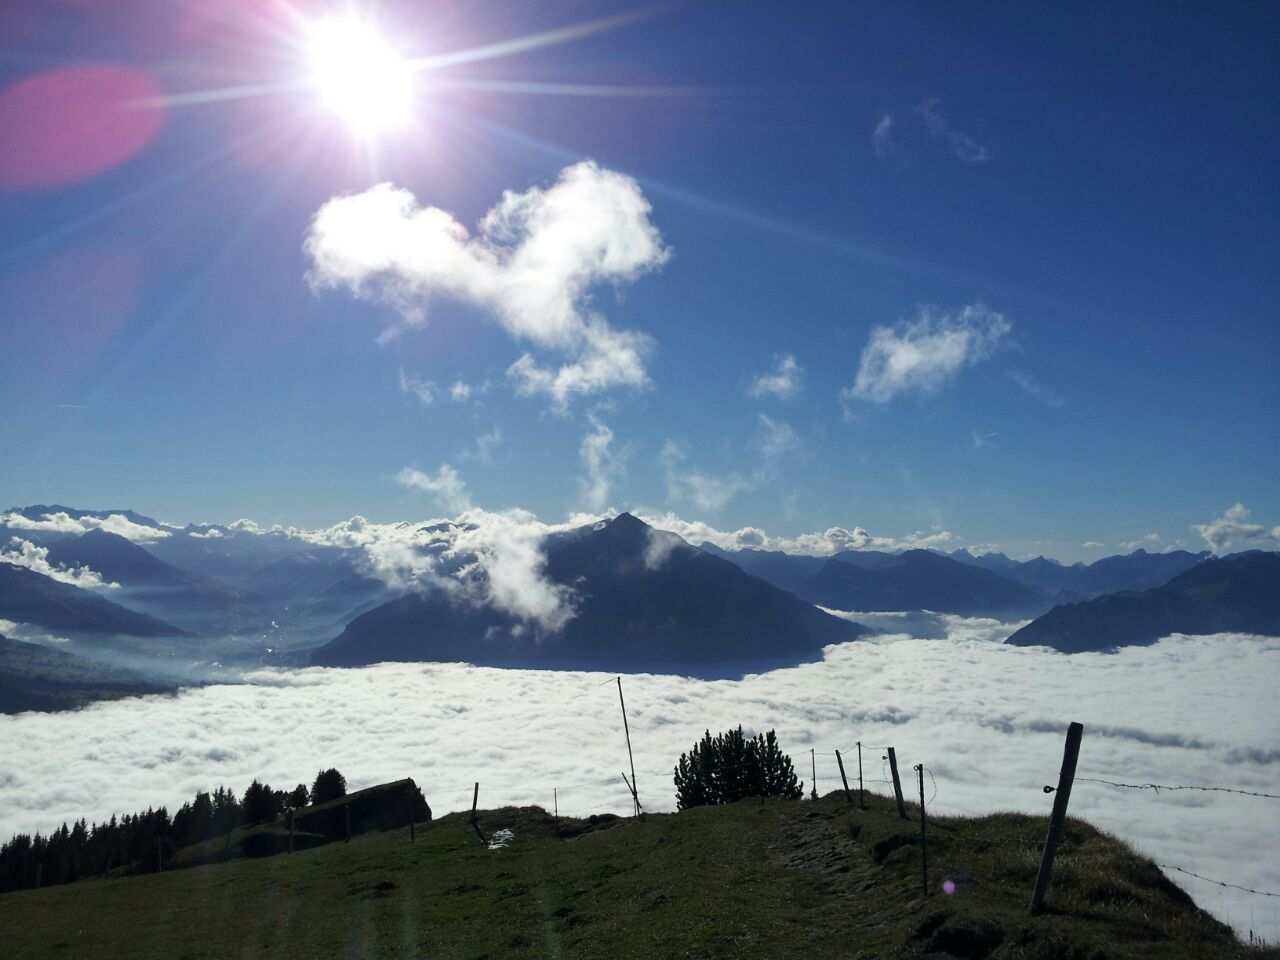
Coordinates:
359 76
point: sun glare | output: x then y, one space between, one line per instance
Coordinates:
359 76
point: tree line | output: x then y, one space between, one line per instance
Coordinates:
144 842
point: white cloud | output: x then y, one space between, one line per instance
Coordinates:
1233 529
819 544
61 522
1035 389
882 137
604 465
923 354
1147 540
983 441
689 485
482 557
445 483
785 382
988 720
533 264
965 147
424 390
510 562
24 553
213 533
460 391
1092 545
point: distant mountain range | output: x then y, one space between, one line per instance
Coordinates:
1239 593
643 599
1138 570
920 580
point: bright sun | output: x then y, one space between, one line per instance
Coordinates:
359 76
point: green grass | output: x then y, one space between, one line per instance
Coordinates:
754 879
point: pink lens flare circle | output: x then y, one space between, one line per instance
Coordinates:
66 125
948 887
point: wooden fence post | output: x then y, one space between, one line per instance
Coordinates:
475 798
862 800
813 765
843 779
897 784
924 844
1066 777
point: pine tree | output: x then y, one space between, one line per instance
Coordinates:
329 785
730 767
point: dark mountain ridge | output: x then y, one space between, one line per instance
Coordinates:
30 597
643 599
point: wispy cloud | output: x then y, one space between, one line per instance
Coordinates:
775 438
882 137
1035 389
965 147
604 464
689 485
1143 542
485 444
983 441
445 483
921 355
535 259
413 386
784 382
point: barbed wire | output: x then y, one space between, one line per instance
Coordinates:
1157 787
1221 883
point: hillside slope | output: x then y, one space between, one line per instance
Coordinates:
754 879
30 597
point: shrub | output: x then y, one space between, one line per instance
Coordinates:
731 766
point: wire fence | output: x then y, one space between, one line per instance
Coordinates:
849 756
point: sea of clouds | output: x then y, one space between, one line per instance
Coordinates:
986 719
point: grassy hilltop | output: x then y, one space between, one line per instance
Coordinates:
753 879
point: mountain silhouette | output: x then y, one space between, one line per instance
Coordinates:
643 599
1138 570
1239 593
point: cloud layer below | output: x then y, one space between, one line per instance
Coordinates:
986 719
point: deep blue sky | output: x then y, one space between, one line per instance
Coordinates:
1103 177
